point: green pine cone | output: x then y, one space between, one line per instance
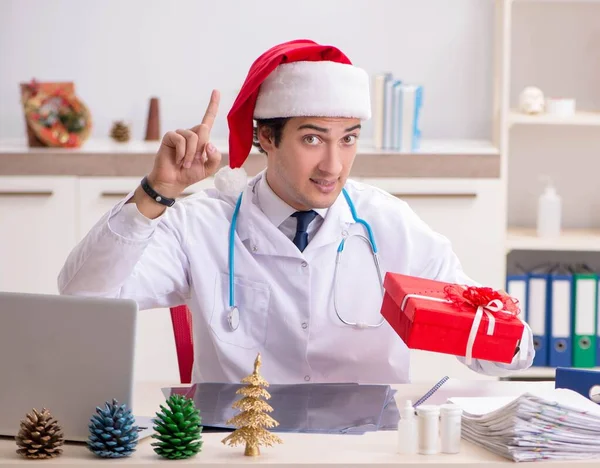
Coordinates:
178 429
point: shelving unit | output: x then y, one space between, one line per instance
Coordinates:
452 159
580 118
570 239
106 145
508 118
543 143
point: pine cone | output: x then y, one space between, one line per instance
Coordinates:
112 431
178 429
120 132
40 436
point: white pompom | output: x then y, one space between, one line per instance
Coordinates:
231 181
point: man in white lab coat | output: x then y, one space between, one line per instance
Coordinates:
260 271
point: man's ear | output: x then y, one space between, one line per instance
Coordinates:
265 138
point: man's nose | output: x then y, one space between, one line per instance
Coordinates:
332 161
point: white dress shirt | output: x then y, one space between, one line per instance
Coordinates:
280 213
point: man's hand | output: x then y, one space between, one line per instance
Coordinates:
186 157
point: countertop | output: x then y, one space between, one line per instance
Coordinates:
106 158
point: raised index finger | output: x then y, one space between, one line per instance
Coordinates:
211 110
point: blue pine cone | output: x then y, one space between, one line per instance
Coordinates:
112 431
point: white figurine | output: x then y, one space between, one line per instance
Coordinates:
531 100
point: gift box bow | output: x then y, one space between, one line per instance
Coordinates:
479 300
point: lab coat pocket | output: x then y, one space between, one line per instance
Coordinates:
252 299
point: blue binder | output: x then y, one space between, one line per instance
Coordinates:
582 381
516 286
537 315
559 318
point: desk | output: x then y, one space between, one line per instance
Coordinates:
376 448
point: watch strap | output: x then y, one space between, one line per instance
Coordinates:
157 197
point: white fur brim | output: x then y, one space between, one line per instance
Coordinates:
314 89
230 181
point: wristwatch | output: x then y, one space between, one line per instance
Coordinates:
157 197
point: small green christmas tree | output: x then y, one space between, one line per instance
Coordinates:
253 419
178 429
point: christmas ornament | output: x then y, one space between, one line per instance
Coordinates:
56 115
178 429
112 431
531 100
40 436
120 132
253 419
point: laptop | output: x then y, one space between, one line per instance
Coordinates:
67 354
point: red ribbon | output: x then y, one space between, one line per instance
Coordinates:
472 297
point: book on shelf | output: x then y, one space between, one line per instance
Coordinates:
396 114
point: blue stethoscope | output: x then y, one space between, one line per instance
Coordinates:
233 315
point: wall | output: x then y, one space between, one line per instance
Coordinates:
120 53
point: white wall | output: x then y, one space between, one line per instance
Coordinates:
121 52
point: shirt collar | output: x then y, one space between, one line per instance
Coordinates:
274 208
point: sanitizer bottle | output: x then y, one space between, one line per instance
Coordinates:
549 212
407 430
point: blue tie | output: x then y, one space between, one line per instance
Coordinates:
304 218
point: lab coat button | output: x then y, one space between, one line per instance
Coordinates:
307 377
304 264
254 248
304 325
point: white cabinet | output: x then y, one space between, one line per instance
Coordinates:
97 195
37 231
464 211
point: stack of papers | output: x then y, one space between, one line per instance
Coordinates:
344 408
539 425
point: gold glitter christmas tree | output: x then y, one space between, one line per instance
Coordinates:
253 419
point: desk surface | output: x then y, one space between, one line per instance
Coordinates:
375 448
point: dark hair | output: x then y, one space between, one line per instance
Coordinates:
275 127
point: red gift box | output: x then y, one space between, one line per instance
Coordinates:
473 322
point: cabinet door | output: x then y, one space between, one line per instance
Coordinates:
37 231
156 357
469 214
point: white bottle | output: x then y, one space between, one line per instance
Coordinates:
450 428
407 429
549 212
429 429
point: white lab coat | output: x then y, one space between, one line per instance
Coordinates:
285 296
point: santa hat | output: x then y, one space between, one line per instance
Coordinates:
299 78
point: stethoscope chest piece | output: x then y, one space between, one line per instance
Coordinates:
233 317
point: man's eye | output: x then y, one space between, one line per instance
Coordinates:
311 139
350 139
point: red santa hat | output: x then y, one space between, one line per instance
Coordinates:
298 78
